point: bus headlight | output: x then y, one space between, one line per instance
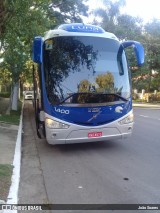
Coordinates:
127 120
52 124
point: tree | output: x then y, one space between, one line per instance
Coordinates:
5 78
151 42
129 28
105 82
26 20
6 10
109 14
84 86
62 11
126 27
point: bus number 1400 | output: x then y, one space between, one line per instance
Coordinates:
63 111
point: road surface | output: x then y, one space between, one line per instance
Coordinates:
113 172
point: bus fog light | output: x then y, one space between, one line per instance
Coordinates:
52 124
127 120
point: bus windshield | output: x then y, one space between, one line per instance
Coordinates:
90 69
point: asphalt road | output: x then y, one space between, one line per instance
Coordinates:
113 172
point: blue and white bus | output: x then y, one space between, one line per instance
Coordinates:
85 84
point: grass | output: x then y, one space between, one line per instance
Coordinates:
14 116
145 102
5 170
5 180
5 94
138 101
4 103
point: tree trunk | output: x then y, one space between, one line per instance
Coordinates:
20 87
8 112
14 105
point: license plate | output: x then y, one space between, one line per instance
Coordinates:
94 134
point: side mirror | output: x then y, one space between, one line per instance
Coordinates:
37 49
138 48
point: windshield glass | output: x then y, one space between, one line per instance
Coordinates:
93 68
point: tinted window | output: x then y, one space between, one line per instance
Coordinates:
86 65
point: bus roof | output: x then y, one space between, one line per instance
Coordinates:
79 29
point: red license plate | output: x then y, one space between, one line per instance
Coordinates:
94 134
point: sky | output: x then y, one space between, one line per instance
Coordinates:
146 9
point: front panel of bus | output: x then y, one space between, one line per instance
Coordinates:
86 89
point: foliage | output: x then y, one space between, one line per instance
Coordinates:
129 28
5 180
27 75
151 97
4 94
105 82
123 26
6 10
61 11
5 76
13 117
5 170
21 20
126 27
109 14
155 82
149 75
24 24
31 18
152 43
84 86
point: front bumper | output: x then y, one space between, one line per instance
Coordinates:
63 136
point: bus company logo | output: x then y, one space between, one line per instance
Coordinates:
86 28
94 109
119 109
62 111
94 116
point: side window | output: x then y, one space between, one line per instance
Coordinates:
120 61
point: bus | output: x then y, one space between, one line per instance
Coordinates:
85 90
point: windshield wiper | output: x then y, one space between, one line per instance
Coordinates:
91 98
70 96
120 97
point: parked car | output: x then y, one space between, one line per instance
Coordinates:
29 95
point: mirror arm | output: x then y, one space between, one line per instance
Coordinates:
138 48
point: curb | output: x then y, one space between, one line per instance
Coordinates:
13 192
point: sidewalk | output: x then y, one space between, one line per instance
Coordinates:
146 105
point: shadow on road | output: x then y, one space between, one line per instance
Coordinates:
69 148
